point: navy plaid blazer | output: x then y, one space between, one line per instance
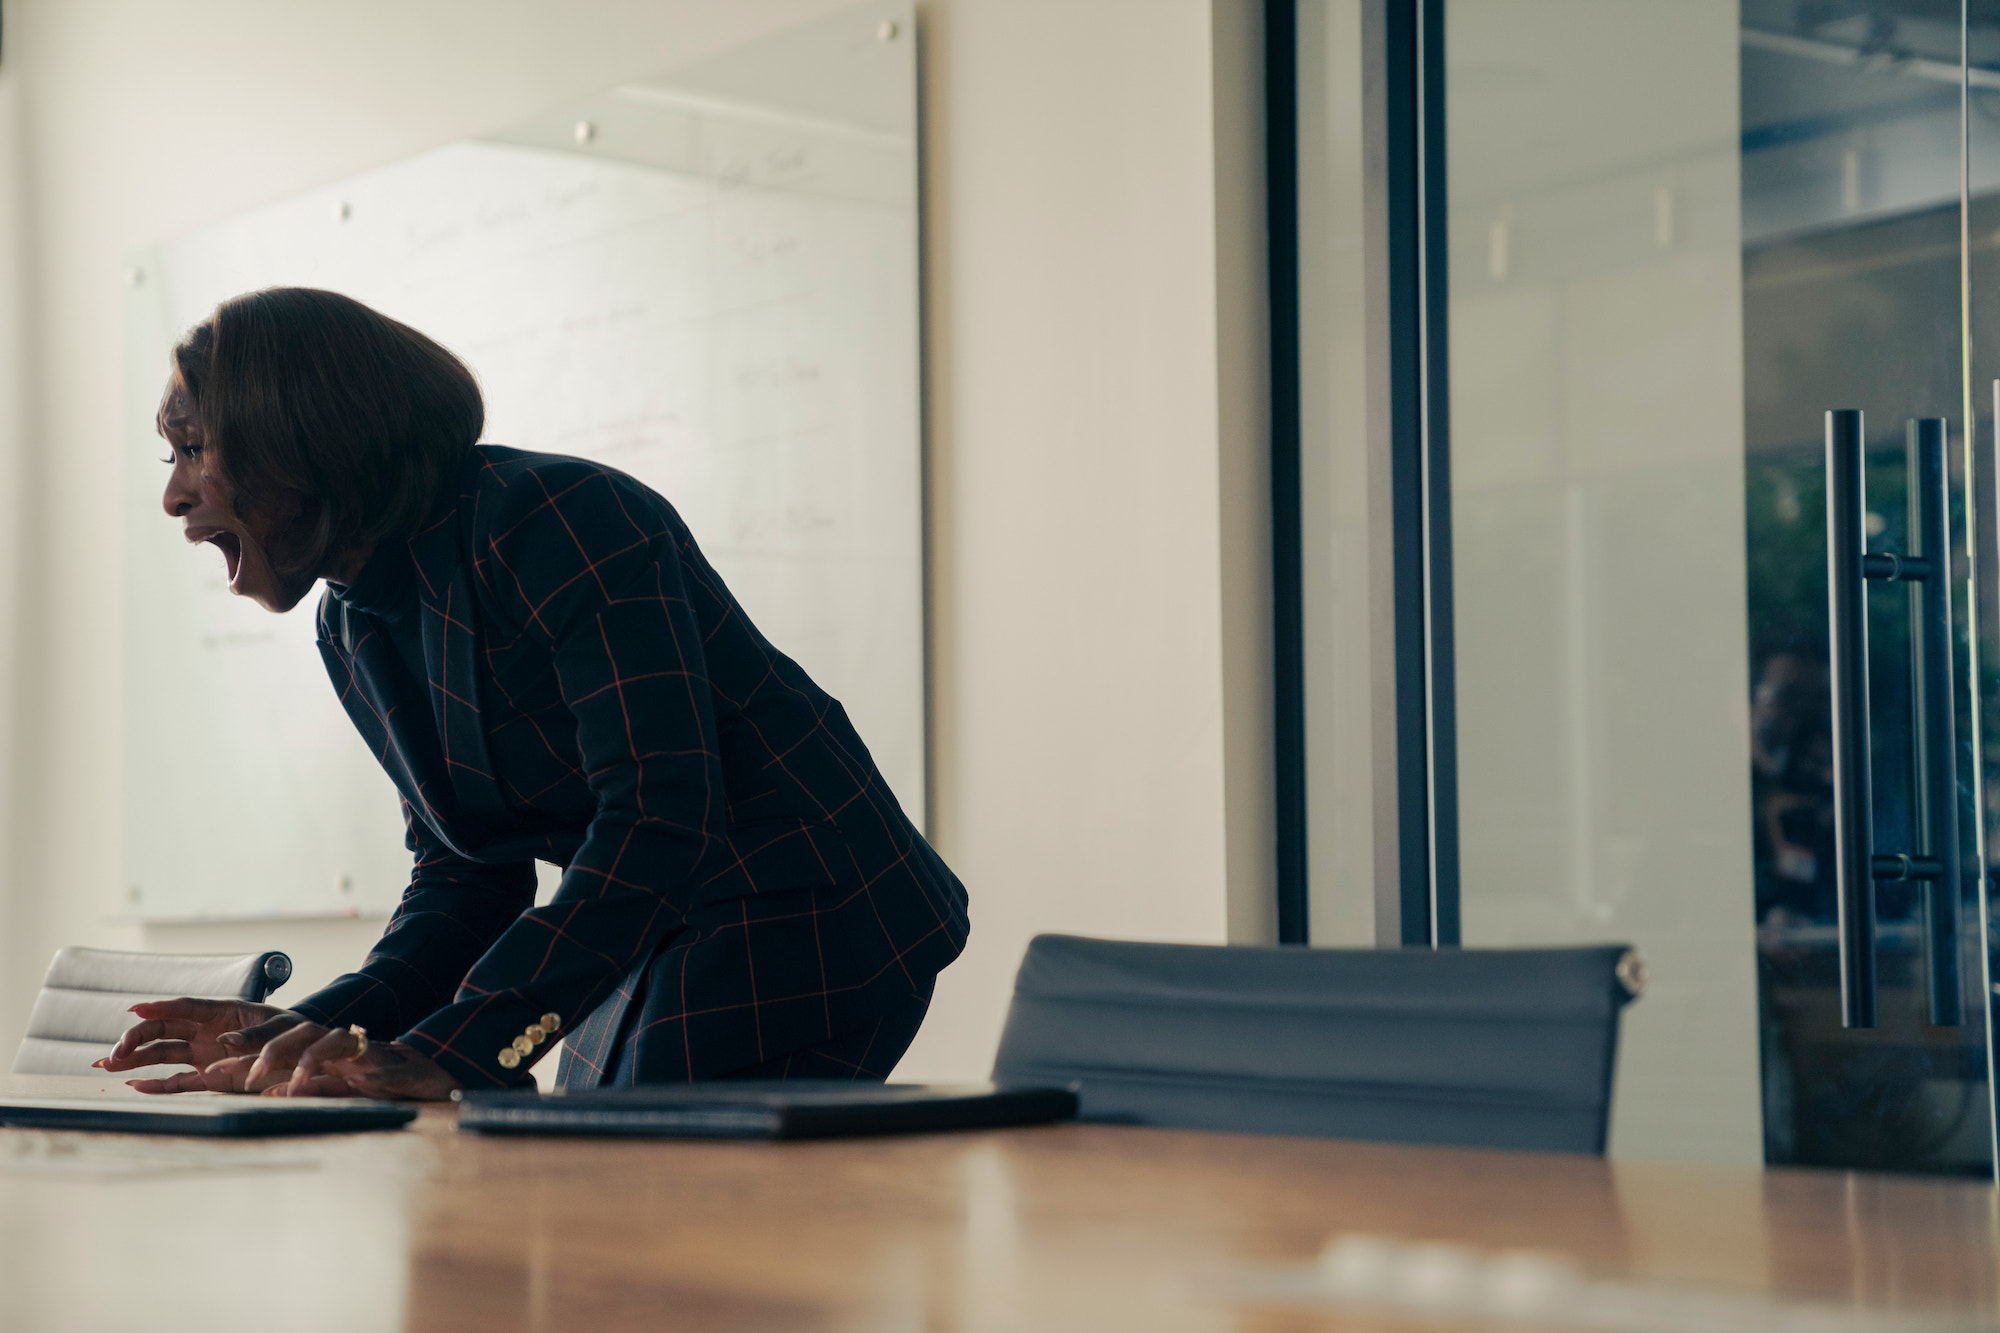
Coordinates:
596 699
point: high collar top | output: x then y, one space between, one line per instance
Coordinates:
386 587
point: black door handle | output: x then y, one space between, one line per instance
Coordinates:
1847 657
1934 715
1934 775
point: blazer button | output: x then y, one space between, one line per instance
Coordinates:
550 1022
537 1033
509 1057
523 1046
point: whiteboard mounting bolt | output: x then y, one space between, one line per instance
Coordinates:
135 277
887 32
342 211
584 131
343 883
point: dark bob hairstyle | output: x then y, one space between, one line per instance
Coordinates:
312 401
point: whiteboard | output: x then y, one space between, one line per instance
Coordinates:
716 295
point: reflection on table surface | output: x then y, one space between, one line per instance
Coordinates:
1063 1227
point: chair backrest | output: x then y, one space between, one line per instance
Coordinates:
1498 1048
81 1011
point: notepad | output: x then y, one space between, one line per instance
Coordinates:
797 1109
205 1115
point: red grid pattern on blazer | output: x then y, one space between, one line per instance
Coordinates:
597 699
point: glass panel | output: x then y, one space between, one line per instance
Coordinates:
1678 235
1851 273
1982 49
1597 459
1333 477
707 278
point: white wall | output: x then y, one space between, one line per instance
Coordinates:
16 374
1079 372
1095 430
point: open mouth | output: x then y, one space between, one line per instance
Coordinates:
231 547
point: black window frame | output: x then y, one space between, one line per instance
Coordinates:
1407 336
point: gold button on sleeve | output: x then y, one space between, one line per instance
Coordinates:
537 1033
550 1022
523 1046
509 1057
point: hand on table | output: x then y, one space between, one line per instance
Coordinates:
236 1046
194 1032
325 1065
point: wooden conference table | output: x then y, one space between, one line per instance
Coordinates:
1067 1227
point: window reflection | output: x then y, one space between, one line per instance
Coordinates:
1851 299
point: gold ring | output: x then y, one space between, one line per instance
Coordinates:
360 1034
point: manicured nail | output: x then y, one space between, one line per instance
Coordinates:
231 1039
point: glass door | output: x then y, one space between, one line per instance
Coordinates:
1677 237
1680 235
1858 298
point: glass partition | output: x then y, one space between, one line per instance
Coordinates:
707 278
1677 236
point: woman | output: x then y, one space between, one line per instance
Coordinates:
549 670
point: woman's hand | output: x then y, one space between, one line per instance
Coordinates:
329 1067
194 1032
240 1047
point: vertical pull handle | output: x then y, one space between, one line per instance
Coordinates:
1934 726
1926 568
1847 622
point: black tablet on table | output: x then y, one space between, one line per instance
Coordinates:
796 1109
204 1115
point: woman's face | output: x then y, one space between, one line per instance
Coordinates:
207 511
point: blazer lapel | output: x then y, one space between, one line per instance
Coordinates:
451 661
394 721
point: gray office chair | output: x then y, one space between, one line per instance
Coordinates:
81 1011
1491 1048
